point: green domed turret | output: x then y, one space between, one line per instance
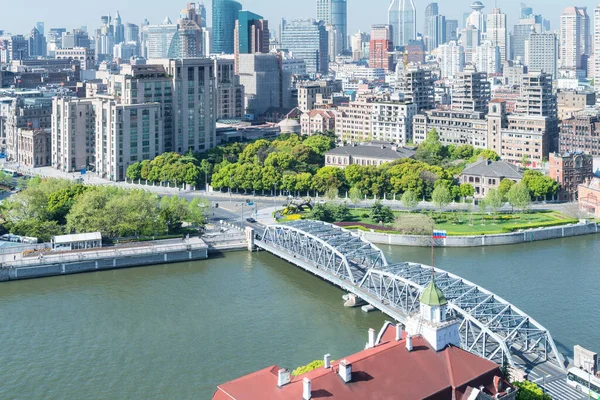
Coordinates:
432 295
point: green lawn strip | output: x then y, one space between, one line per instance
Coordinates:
457 223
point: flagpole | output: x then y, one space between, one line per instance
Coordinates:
432 249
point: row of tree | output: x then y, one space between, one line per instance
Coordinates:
168 167
54 207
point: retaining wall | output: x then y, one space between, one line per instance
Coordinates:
530 235
113 260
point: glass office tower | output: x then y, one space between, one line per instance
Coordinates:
225 13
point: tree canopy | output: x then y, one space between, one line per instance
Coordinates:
53 207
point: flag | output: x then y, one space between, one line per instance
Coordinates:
439 234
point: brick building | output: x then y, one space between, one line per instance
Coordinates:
570 170
484 175
580 133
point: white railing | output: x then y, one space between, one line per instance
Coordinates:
106 253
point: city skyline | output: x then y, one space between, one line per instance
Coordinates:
22 20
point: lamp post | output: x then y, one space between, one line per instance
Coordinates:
230 188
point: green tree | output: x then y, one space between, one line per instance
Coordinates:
485 154
463 152
43 230
332 193
525 161
504 187
431 151
505 368
482 209
355 195
539 184
320 144
409 199
341 212
518 196
321 212
197 210
494 200
381 214
530 391
206 168
328 177
304 181
441 197
309 367
173 211
134 171
466 190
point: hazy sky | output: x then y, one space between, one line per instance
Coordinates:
20 16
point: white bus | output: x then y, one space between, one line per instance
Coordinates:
584 382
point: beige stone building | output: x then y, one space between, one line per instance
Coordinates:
374 153
34 147
589 197
317 121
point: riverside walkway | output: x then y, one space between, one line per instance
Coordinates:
490 326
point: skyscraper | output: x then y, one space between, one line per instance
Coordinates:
402 16
451 30
307 40
451 58
541 53
132 32
37 44
437 32
596 72
40 27
158 38
335 13
251 35
521 32
225 13
119 29
381 47
574 38
431 11
496 32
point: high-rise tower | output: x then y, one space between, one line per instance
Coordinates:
402 16
335 13
225 13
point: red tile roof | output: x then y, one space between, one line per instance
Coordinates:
385 371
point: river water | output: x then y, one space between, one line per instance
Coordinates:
176 331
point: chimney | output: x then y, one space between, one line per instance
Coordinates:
306 389
371 343
345 371
409 345
327 361
283 377
398 332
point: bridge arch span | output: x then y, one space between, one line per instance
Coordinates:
489 325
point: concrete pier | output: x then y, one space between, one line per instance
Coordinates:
63 263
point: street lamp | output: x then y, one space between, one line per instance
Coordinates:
230 188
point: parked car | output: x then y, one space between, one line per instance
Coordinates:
251 220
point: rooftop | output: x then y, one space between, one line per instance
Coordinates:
499 169
381 372
378 151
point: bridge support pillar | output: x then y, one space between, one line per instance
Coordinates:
250 238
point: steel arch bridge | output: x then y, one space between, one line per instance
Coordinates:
489 325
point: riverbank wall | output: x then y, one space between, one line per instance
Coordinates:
104 259
530 235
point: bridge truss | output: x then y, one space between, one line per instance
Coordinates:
489 325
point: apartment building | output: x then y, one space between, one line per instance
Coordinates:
317 121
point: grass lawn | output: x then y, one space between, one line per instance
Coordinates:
459 223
